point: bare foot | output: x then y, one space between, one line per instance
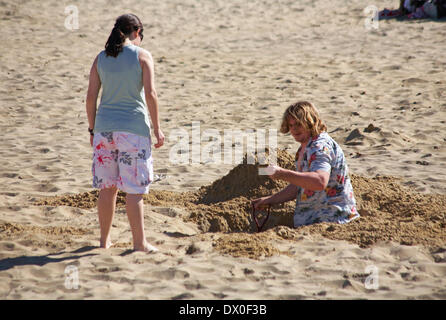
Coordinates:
105 244
147 247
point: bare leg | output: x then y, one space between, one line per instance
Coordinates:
135 214
106 211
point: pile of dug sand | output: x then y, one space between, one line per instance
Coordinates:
389 211
225 205
244 181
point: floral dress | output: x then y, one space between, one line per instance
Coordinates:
334 204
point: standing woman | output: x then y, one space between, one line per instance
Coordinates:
120 128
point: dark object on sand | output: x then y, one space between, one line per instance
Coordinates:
255 215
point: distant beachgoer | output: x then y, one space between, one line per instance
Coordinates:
120 128
410 6
407 8
435 9
321 184
416 9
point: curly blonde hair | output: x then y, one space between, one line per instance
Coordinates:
306 115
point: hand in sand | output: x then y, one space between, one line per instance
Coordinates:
261 203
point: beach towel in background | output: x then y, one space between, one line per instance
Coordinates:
389 14
434 9
417 10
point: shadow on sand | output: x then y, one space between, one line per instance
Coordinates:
8 263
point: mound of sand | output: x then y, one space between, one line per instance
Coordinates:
244 181
389 211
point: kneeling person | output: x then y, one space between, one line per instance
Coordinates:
321 184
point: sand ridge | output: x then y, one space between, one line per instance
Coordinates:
389 211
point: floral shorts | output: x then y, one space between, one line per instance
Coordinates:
123 160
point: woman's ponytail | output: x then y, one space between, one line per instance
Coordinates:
115 42
124 25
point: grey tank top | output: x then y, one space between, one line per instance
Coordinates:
122 106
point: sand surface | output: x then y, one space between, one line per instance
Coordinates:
229 65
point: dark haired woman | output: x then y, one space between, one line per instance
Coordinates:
120 128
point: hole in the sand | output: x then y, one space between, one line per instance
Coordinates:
389 211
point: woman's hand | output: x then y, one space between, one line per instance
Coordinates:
159 138
91 140
274 172
261 203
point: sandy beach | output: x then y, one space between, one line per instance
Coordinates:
226 65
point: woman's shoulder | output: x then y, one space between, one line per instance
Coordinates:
101 55
322 141
98 57
145 58
322 138
144 53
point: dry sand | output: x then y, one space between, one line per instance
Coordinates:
381 92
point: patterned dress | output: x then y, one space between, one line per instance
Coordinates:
334 204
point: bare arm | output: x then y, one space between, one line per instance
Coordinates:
316 180
286 194
94 85
148 79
